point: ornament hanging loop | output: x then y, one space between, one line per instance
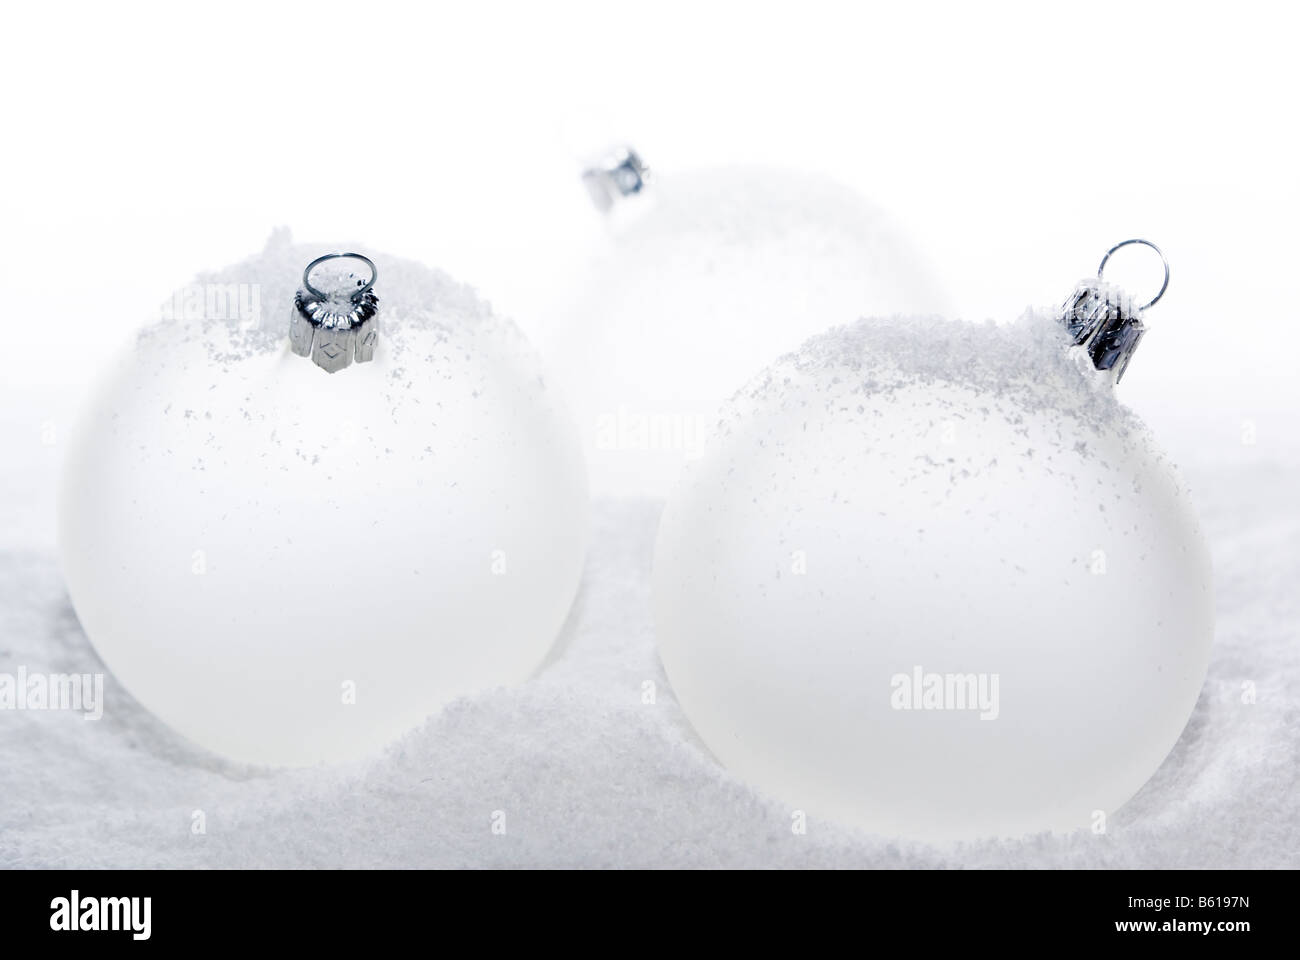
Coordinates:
1163 259
357 294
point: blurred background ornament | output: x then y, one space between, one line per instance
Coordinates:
705 276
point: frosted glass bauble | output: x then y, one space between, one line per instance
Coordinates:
931 579
289 566
704 279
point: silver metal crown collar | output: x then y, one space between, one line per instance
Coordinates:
1104 320
332 328
622 173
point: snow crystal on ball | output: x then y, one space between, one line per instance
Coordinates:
1027 361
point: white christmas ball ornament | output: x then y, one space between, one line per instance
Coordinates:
704 278
288 565
932 580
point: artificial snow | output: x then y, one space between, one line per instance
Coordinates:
592 763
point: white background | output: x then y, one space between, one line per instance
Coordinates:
1013 142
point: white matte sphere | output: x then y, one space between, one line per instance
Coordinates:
705 278
251 543
949 499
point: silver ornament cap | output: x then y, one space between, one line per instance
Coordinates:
620 173
337 325
1106 321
